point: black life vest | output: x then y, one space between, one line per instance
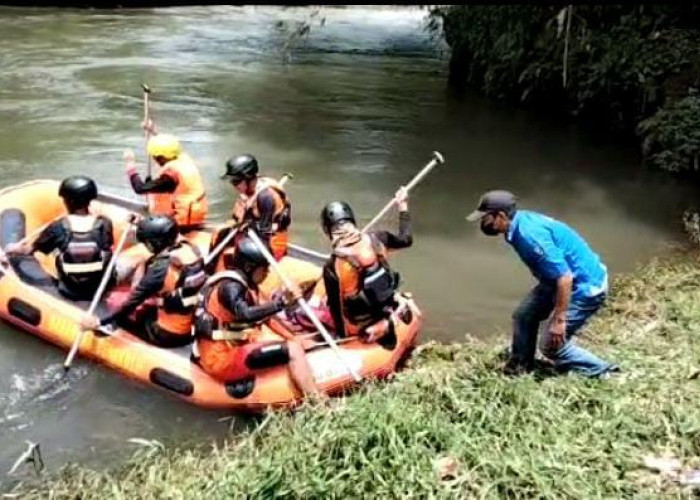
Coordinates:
81 256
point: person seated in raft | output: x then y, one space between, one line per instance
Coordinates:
173 275
227 321
82 241
360 285
262 204
177 189
573 284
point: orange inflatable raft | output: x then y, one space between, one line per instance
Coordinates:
29 300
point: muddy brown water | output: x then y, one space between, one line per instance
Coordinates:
354 112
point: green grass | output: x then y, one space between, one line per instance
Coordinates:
534 436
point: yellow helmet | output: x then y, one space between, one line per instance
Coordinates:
165 145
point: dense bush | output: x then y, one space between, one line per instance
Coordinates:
615 65
672 136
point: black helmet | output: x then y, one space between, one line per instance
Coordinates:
334 213
248 257
241 168
157 232
78 191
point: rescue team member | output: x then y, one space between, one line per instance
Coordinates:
262 204
228 318
359 282
173 275
177 190
82 242
573 284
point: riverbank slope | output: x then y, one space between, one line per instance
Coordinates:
451 425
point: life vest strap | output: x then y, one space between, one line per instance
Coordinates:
233 335
87 267
190 301
80 223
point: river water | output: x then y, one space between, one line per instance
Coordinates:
353 111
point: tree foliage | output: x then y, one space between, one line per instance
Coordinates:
616 64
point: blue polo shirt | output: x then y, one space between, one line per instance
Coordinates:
552 249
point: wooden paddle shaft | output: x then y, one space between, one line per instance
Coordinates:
304 305
437 160
98 295
146 117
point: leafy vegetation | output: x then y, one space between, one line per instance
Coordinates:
451 426
672 136
609 64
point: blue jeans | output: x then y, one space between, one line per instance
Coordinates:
535 308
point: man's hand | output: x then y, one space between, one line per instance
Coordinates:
401 198
557 332
13 248
130 160
287 299
149 127
89 322
18 248
291 296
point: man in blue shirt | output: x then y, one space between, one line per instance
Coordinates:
573 284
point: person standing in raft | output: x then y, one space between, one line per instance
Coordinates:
360 285
173 276
82 242
573 284
262 204
177 190
227 324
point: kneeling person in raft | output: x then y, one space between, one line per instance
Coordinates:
82 241
262 205
173 275
359 283
177 189
227 323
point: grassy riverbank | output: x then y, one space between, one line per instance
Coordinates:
532 436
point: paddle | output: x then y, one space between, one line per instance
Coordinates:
304 305
437 160
434 162
98 294
394 314
146 119
234 230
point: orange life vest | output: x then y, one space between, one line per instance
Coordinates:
178 297
188 203
365 280
245 209
215 348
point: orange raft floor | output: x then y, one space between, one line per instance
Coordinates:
30 301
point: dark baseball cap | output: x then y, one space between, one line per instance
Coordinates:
493 201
